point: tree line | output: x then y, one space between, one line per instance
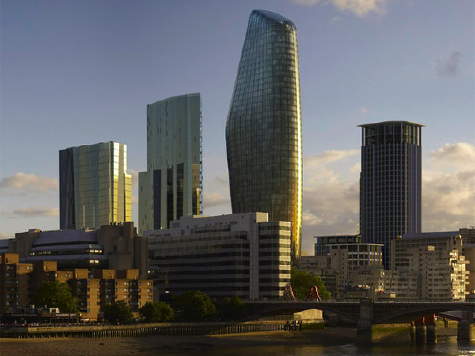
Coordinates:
190 306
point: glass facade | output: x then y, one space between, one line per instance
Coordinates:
171 186
95 188
390 182
263 130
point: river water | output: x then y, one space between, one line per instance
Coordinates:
444 346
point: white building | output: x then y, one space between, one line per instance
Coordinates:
241 255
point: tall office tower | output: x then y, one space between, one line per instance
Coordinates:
390 182
264 130
171 186
94 187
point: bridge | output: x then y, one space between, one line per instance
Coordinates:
366 313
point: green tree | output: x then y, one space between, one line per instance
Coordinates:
56 295
302 281
232 308
195 306
117 312
157 311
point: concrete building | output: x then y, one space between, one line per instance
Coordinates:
171 187
437 259
468 241
94 187
264 127
390 182
93 289
338 257
241 255
111 246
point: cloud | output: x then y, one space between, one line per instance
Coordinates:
25 182
331 196
449 67
454 153
358 7
215 199
35 212
328 157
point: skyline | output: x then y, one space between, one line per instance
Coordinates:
340 89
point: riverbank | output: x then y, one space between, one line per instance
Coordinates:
172 345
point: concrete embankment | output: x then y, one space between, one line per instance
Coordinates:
173 329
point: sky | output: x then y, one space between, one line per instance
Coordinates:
82 72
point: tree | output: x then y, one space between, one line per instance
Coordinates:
56 295
232 308
302 281
195 306
156 312
117 313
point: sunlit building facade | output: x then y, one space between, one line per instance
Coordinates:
171 186
263 129
94 186
390 182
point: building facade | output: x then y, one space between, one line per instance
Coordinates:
94 187
111 247
171 187
264 129
93 289
390 182
241 255
437 260
468 237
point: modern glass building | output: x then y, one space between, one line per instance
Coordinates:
94 187
390 182
264 130
171 186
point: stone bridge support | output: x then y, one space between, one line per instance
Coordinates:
431 331
464 331
365 322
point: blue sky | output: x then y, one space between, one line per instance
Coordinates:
81 72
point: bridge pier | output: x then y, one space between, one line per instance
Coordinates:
420 331
464 331
364 327
431 331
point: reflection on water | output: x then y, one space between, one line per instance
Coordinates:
445 346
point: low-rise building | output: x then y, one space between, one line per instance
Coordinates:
114 246
438 261
94 289
241 255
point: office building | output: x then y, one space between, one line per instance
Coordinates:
242 255
390 182
437 259
264 129
171 186
111 246
94 187
93 290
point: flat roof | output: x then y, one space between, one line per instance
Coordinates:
382 123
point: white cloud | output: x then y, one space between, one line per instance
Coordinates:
331 196
25 182
449 67
328 157
456 153
35 212
358 7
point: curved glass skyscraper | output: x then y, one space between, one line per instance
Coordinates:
263 130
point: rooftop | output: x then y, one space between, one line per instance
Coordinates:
390 123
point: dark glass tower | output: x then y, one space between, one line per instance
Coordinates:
390 183
263 130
